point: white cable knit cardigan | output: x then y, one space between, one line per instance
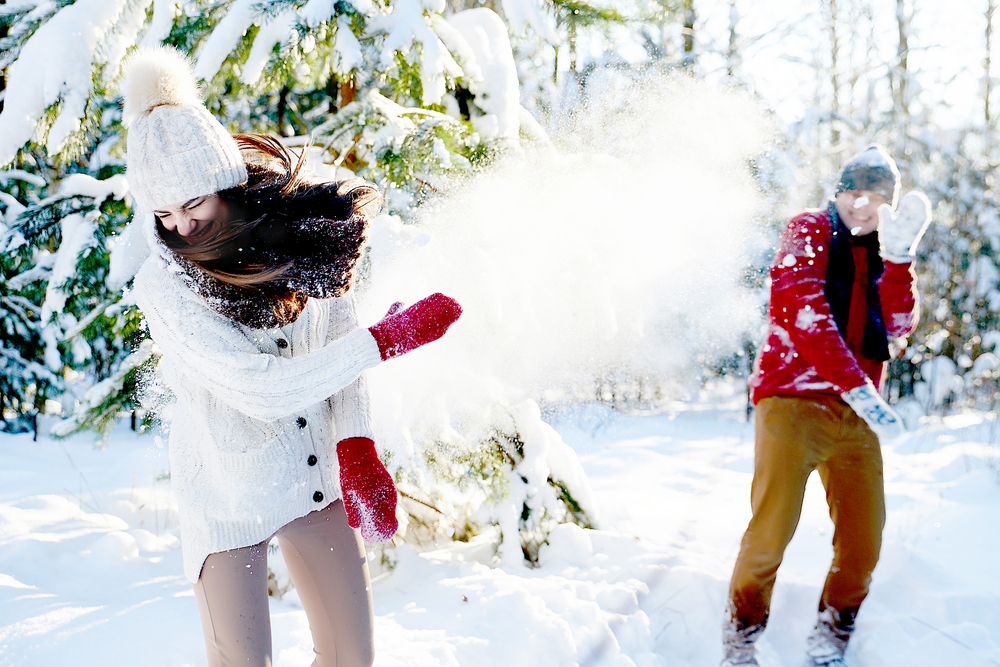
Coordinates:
258 412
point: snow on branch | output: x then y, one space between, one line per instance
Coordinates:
98 407
404 27
15 7
523 13
55 66
163 19
276 31
346 48
497 91
21 175
224 38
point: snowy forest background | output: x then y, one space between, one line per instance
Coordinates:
602 183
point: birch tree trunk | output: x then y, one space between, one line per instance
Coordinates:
991 6
688 32
834 73
732 52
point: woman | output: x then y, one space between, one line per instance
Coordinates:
246 292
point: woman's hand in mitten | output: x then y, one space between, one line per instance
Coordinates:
401 331
900 232
870 406
369 494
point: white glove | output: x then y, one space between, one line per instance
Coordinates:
900 232
867 403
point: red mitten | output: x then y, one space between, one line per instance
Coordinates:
423 322
369 494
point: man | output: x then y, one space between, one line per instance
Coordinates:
842 284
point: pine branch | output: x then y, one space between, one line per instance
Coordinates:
272 8
585 14
90 317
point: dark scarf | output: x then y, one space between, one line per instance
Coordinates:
840 283
322 253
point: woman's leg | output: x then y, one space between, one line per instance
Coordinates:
232 599
327 562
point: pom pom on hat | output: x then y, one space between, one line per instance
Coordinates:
155 76
176 149
872 169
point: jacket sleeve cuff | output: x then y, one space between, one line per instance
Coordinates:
351 411
898 271
367 348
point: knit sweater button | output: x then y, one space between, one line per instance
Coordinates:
312 460
318 496
282 343
301 421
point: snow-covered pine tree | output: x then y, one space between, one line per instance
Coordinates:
62 320
952 359
25 383
64 200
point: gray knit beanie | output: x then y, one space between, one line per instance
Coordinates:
872 169
176 149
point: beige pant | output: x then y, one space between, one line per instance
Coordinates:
326 560
795 436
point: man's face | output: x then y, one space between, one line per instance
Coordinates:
859 210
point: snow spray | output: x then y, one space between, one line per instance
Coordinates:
621 255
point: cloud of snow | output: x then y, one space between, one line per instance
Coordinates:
622 258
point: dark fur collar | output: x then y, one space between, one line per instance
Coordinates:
322 255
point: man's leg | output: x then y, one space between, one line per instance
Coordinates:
788 433
852 476
328 565
232 599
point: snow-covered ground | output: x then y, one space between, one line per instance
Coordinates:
90 567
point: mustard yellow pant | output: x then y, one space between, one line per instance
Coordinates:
795 436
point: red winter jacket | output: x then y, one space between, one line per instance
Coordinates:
804 353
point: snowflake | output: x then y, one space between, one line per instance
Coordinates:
807 319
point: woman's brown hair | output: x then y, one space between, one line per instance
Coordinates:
264 240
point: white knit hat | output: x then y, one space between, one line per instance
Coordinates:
176 149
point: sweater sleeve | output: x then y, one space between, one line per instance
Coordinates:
215 354
900 303
799 305
350 407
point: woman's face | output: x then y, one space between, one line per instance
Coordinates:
194 216
859 210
